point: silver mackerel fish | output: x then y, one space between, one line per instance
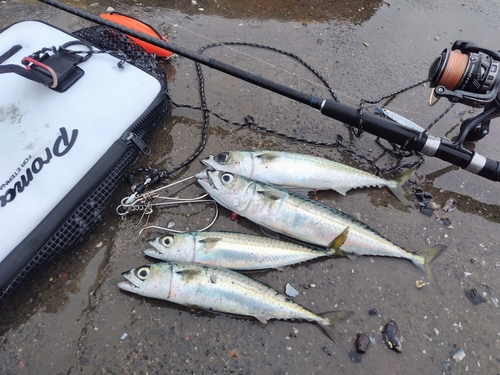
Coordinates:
222 290
300 172
237 251
304 219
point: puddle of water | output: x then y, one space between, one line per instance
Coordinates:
77 317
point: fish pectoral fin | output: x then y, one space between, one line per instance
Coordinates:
267 156
274 195
188 273
210 242
338 241
297 190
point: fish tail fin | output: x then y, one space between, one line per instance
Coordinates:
328 325
334 246
428 255
397 188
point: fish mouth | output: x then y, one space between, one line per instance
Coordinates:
152 252
203 175
208 162
128 283
206 178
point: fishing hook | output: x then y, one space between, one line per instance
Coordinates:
150 199
185 231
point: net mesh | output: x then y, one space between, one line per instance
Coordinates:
85 218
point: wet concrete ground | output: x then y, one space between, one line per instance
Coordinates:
72 319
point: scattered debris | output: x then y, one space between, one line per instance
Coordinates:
474 297
355 357
290 290
426 211
391 336
124 336
449 205
325 349
459 355
445 221
447 366
429 207
423 198
362 342
495 301
420 284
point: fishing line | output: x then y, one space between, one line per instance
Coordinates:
156 176
454 70
228 46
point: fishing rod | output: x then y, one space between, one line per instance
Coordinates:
468 76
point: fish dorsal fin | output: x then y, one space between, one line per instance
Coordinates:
339 240
210 242
274 195
267 156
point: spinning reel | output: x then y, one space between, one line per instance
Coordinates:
468 74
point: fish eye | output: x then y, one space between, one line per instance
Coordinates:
143 272
227 178
222 158
167 241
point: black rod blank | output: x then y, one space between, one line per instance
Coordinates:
380 127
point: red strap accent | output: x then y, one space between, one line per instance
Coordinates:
28 59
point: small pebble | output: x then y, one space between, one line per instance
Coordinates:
362 342
426 211
372 312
